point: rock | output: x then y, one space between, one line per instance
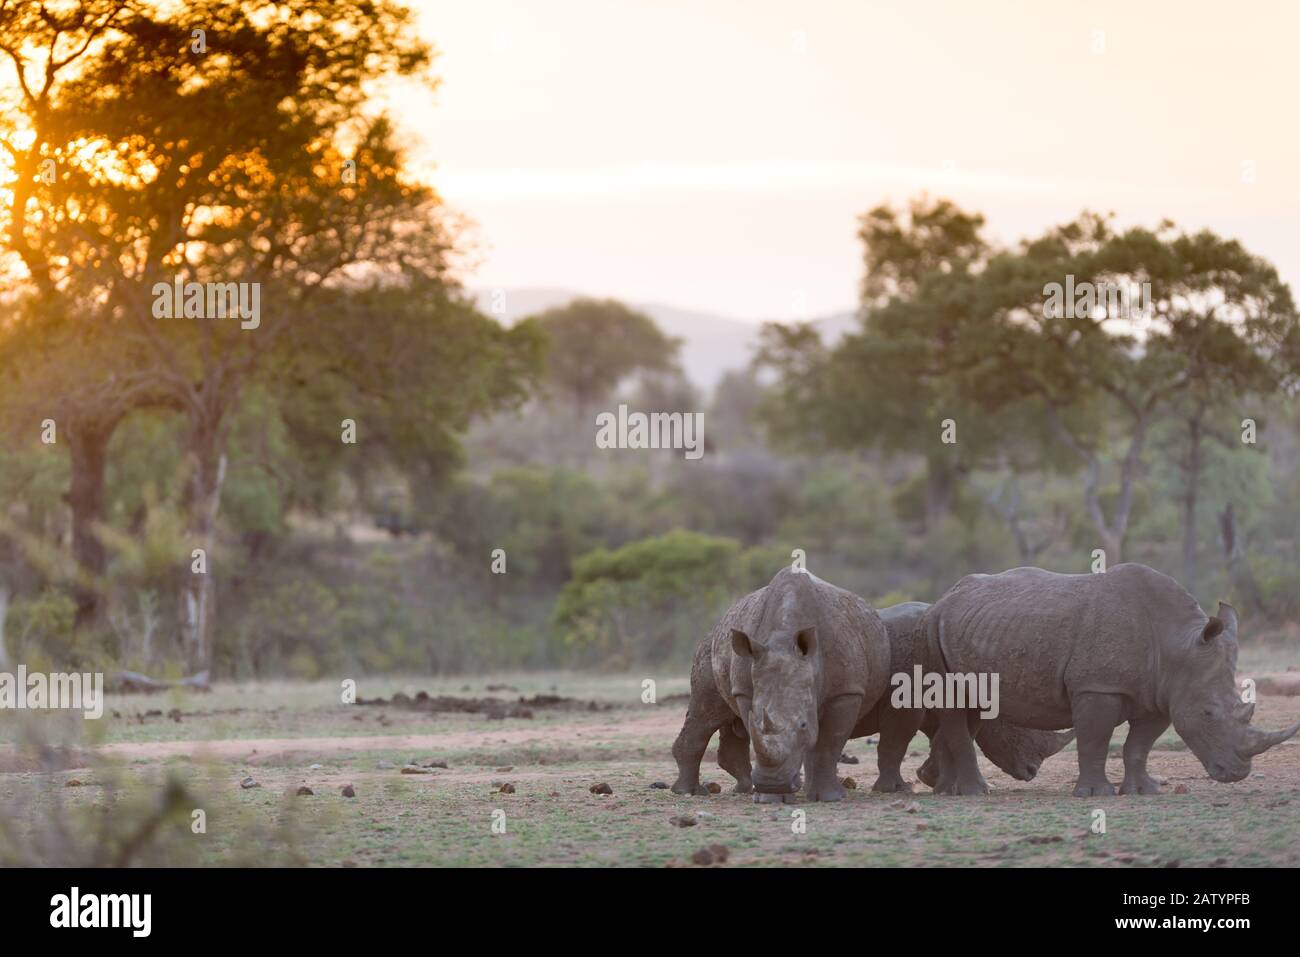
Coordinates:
601 788
506 788
1182 789
316 767
415 769
1285 684
660 786
713 854
848 759
683 820
912 807
304 791
922 826
508 767
348 791
248 782
72 783
702 815
849 783
385 766
714 787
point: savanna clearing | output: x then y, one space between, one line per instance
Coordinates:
125 789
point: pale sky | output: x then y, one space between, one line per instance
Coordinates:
714 155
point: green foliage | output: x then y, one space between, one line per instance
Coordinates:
651 600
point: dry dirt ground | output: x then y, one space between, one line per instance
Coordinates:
289 736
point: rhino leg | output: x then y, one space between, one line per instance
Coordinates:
821 765
1095 719
958 755
707 713
897 728
1142 733
733 755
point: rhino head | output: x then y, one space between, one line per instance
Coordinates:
785 671
1204 706
1020 752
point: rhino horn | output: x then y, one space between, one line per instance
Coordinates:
1244 712
759 748
1257 741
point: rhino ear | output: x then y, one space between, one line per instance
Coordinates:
740 643
1213 628
806 640
1228 615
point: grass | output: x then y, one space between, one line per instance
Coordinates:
552 819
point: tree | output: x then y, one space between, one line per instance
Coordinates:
1219 322
893 384
594 344
245 157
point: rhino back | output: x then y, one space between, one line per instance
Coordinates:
902 623
1050 636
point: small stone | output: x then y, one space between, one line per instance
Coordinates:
316 767
848 759
702 815
601 788
850 784
304 791
506 788
912 807
348 791
248 782
922 826
714 787
660 786
508 767
719 852
703 857
72 783
683 820
1182 789
416 769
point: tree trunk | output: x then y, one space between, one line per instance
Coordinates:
1234 550
198 597
1190 493
88 447
940 490
4 613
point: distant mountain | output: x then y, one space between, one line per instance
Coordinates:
711 344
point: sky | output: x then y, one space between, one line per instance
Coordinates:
715 155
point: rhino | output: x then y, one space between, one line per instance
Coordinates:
791 669
1093 651
1017 751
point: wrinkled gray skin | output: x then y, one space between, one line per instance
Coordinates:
1018 751
1094 651
790 669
